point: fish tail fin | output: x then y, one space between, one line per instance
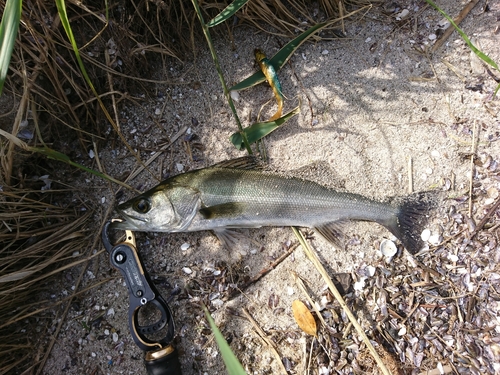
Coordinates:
411 218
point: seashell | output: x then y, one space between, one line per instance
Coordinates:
446 182
425 235
388 249
370 271
418 359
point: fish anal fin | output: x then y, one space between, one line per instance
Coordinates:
333 232
224 210
244 162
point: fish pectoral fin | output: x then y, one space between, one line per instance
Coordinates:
229 238
224 210
245 162
333 232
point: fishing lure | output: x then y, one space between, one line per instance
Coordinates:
272 79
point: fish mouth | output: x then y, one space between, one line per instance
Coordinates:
128 223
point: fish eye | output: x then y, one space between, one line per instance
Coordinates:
142 205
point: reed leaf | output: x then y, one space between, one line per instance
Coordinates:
8 33
227 12
466 39
233 366
56 155
259 130
63 14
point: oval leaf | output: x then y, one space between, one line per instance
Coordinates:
304 318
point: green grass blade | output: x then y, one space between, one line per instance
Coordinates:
233 366
479 54
8 33
59 156
61 8
227 12
281 57
259 130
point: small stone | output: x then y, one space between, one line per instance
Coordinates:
187 270
217 303
179 167
453 258
157 111
115 337
91 154
93 354
185 246
402 331
402 14
325 52
111 312
106 332
235 95
368 40
290 291
432 37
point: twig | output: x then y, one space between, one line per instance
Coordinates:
314 259
473 154
264 272
486 218
266 339
465 11
158 153
111 89
410 175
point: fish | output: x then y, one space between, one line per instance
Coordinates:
272 78
238 193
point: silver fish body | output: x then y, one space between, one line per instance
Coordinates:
228 195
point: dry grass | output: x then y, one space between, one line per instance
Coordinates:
37 241
38 238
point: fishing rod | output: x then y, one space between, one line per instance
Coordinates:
161 357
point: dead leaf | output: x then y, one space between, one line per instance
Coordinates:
303 317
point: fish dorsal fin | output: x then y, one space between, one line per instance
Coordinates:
332 232
244 162
227 210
